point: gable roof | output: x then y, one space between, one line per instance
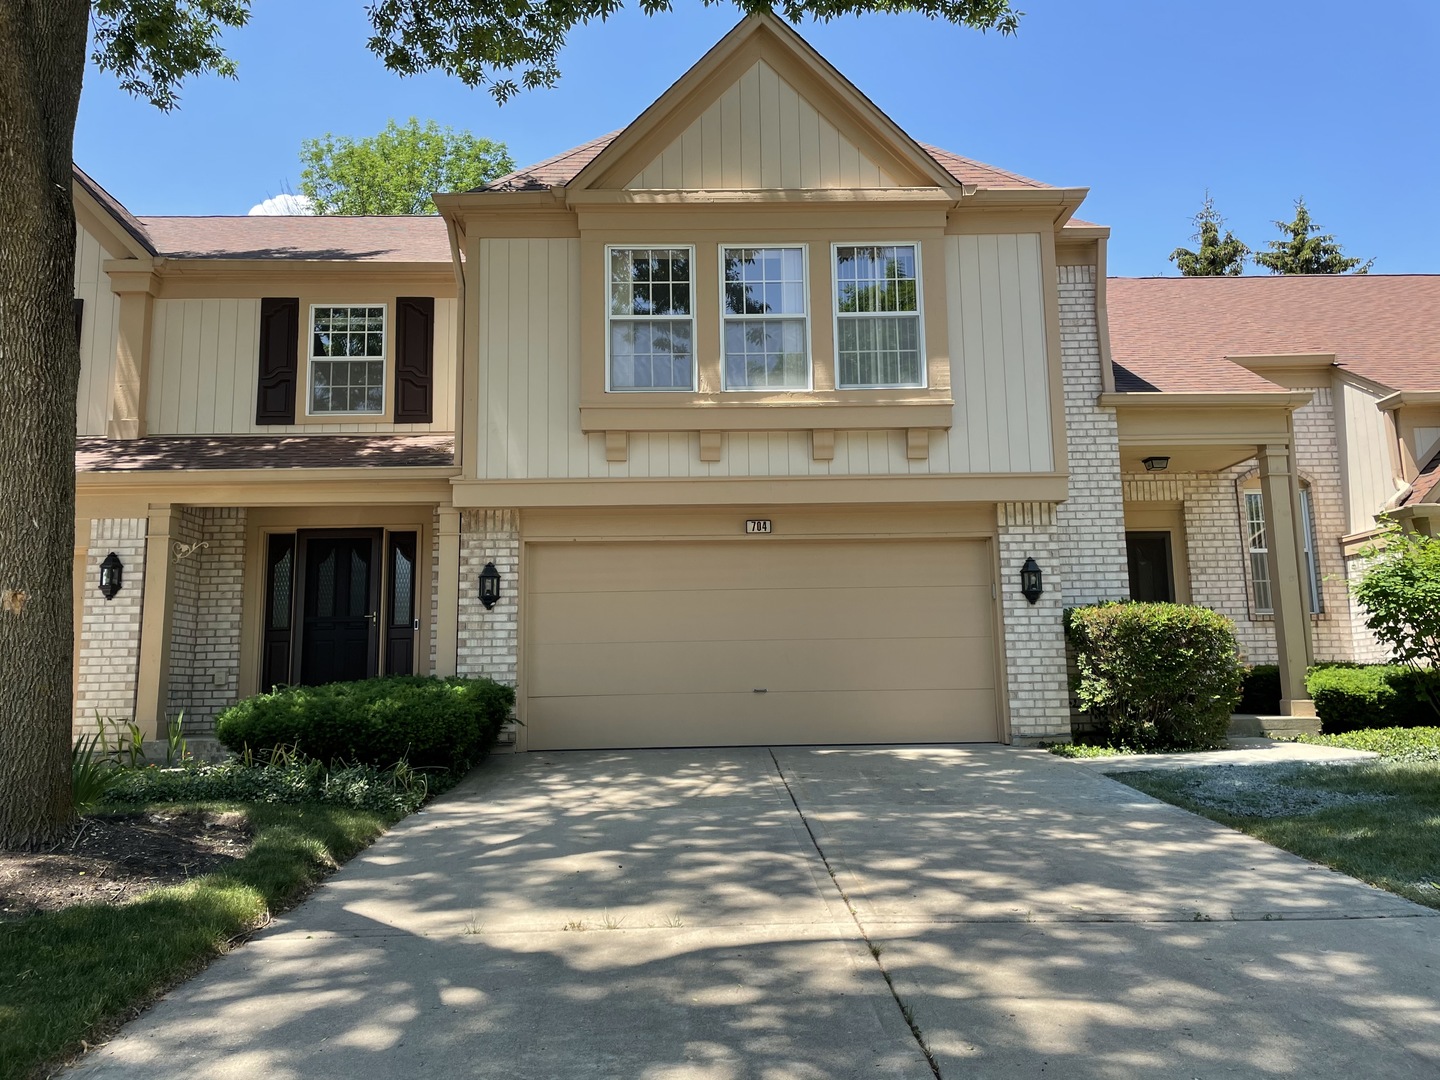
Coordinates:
559 170
112 207
764 40
416 239
1173 334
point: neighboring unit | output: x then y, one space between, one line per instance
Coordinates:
757 408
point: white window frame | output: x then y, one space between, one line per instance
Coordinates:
804 250
1315 599
610 316
836 316
311 359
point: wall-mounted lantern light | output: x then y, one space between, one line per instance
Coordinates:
489 585
1031 581
1156 463
112 576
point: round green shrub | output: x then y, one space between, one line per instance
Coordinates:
450 723
1356 697
1156 676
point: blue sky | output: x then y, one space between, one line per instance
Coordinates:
1146 102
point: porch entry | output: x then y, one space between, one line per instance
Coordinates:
339 605
1151 565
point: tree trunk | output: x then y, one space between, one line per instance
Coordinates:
42 63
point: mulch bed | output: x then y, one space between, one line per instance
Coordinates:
112 859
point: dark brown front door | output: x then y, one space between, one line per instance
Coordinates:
339 592
1152 577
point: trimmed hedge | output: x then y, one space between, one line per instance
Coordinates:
1260 691
1156 676
1372 696
427 722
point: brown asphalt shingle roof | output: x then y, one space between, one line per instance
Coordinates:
562 168
1424 484
1173 334
165 453
419 239
123 217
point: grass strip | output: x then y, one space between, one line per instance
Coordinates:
1392 843
71 977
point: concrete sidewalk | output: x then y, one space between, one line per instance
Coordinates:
673 914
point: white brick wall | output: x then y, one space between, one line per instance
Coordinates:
109 660
1035 672
488 639
1092 520
205 622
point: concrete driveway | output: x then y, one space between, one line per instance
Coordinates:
716 914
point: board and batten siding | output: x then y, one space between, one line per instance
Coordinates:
1369 479
203 361
98 336
761 133
998 357
529 379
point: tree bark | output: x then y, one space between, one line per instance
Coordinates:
42 63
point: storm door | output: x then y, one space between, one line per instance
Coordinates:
339 593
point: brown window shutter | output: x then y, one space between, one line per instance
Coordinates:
279 362
79 317
414 359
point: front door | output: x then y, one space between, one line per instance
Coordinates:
1152 576
339 591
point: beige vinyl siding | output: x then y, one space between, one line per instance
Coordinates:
761 133
98 336
665 643
203 357
998 356
529 380
1369 472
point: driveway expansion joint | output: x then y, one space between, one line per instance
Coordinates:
907 1012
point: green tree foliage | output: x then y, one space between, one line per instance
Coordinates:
1215 257
152 46
396 171
1303 249
1400 592
486 43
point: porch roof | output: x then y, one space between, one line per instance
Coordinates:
178 453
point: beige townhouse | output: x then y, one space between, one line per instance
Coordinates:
741 425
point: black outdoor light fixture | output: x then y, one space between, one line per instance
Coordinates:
112 575
1031 581
1158 463
489 585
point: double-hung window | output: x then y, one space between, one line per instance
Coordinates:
877 316
1259 550
651 320
764 317
347 359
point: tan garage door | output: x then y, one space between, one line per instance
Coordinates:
671 643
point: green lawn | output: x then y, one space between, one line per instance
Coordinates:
1389 835
75 974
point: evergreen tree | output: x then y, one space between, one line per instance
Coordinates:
1303 249
1216 257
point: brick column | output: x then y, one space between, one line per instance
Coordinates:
109 662
1036 679
1092 519
488 640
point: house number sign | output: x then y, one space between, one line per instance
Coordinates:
757 525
